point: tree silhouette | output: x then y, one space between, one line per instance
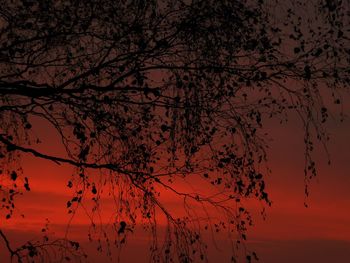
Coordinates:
147 94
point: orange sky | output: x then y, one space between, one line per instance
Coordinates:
290 233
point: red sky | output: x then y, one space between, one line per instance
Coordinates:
290 233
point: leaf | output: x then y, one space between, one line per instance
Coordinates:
122 227
296 50
94 190
164 128
26 186
70 184
307 72
14 176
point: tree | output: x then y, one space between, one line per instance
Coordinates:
148 93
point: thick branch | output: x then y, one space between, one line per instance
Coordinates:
59 160
7 243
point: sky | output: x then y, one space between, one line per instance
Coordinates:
289 233
320 232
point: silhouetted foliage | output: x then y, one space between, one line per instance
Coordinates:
147 94
47 250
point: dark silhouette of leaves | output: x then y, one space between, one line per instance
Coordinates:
144 95
122 227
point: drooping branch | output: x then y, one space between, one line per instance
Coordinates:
10 250
59 160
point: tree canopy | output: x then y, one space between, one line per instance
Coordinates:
146 94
